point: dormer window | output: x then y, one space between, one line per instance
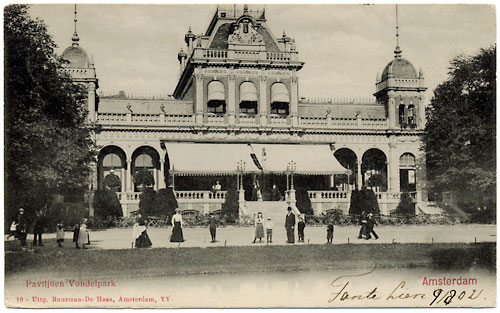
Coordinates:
248 98
216 98
245 28
280 99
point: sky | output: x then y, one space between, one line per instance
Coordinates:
135 47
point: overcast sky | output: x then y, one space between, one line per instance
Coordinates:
343 46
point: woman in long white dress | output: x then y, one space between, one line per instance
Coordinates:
83 235
259 227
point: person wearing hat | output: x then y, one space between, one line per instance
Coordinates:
269 230
212 225
370 222
177 235
22 227
290 226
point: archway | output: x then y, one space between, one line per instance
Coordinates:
145 164
348 159
374 169
111 162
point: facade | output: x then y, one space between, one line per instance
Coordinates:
236 119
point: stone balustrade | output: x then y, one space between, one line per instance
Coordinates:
149 119
215 54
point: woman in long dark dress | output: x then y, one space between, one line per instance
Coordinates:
177 231
141 234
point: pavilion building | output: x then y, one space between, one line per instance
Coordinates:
236 117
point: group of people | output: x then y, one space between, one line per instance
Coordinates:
268 225
367 222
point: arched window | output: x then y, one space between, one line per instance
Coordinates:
402 117
279 99
407 173
248 98
411 115
216 97
111 160
144 160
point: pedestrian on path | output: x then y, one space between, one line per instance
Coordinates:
290 226
212 225
59 234
76 233
370 223
269 230
329 233
177 235
363 221
259 227
300 228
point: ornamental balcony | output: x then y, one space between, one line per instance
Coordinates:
202 55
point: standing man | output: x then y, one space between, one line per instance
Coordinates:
370 224
213 226
38 227
290 226
22 227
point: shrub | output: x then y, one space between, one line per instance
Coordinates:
376 180
144 177
112 181
165 202
106 204
363 200
231 205
406 205
147 202
303 202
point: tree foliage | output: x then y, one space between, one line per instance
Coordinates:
144 177
363 200
147 203
406 205
460 132
111 180
303 202
165 202
48 145
106 204
231 205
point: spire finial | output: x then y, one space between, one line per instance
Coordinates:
397 51
245 9
75 37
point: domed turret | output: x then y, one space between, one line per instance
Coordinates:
76 57
399 68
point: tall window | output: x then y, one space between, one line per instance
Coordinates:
216 98
411 115
407 173
402 119
248 98
280 99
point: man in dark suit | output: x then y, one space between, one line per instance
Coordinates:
290 226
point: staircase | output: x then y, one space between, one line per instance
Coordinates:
276 210
429 207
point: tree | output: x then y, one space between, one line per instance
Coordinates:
165 202
303 202
147 202
406 205
48 144
376 180
231 205
112 181
106 204
144 177
460 135
363 200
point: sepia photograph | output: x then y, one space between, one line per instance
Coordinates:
249 155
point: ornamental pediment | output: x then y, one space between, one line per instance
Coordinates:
245 33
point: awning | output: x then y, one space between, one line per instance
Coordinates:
216 91
209 158
279 93
308 159
248 92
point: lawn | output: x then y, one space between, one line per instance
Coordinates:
67 262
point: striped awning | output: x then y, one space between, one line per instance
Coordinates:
307 159
210 158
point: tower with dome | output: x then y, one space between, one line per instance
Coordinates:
236 117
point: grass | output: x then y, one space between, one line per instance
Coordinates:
70 262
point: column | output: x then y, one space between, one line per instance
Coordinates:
124 185
392 110
129 176
360 177
294 99
231 100
421 110
157 180
91 102
199 98
162 174
263 99
393 169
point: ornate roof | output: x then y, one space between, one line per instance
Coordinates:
399 68
76 56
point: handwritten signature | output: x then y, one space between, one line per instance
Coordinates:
342 292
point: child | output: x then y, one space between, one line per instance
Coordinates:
76 233
269 230
329 233
300 226
60 234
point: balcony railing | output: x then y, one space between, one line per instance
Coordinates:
215 54
137 119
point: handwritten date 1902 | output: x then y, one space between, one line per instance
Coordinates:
448 296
